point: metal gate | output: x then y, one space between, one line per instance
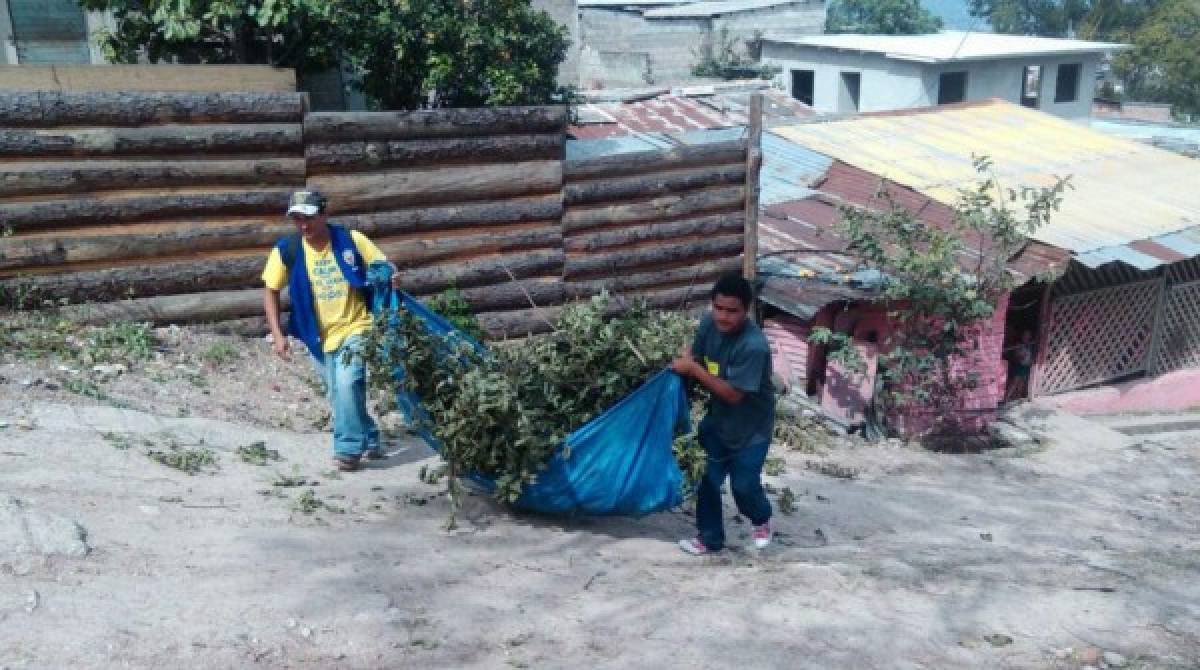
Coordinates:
1098 335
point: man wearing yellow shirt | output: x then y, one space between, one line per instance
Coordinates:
324 268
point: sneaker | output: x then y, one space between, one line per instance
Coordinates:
375 454
693 546
762 536
346 463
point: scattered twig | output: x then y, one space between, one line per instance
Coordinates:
636 352
541 314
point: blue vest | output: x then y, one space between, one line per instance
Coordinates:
303 321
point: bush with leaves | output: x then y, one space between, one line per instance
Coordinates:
723 59
941 284
406 54
452 305
503 413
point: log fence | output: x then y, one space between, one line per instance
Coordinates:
161 206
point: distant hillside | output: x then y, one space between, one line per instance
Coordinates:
955 15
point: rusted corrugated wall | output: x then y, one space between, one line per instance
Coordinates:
161 207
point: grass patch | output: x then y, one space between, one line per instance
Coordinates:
832 470
34 336
119 441
220 353
786 501
308 503
192 460
257 453
774 466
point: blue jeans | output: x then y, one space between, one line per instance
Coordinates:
744 469
354 431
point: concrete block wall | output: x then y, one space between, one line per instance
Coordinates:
566 13
615 41
787 21
669 45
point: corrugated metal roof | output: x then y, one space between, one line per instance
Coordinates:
949 46
1122 191
617 4
681 113
1179 138
714 8
789 170
607 146
1147 254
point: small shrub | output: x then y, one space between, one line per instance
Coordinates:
193 461
452 305
219 353
257 453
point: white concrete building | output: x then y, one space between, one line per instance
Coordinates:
844 74
632 43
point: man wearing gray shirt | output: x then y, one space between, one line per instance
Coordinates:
731 358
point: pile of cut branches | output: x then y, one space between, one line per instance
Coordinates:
504 412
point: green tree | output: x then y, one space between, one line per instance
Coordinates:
1164 64
941 284
1047 18
880 17
453 53
286 33
405 54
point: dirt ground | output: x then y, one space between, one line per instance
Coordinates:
1081 551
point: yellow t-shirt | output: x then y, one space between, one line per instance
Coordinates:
340 311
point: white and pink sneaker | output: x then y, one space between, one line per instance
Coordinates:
693 546
762 536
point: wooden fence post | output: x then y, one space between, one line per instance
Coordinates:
753 165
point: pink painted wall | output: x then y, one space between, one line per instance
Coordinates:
788 337
1174 391
846 395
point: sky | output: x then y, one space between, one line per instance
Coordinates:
955 15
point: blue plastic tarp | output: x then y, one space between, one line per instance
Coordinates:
620 463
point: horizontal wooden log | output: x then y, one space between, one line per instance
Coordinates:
619 263
667 207
527 257
192 235
429 186
519 323
351 126
659 183
481 272
93 210
698 276
187 308
440 249
451 217
608 239
17 179
513 295
656 160
525 322
373 155
152 140
250 326
147 77
141 280
102 108
183 237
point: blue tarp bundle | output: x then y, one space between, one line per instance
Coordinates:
619 463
